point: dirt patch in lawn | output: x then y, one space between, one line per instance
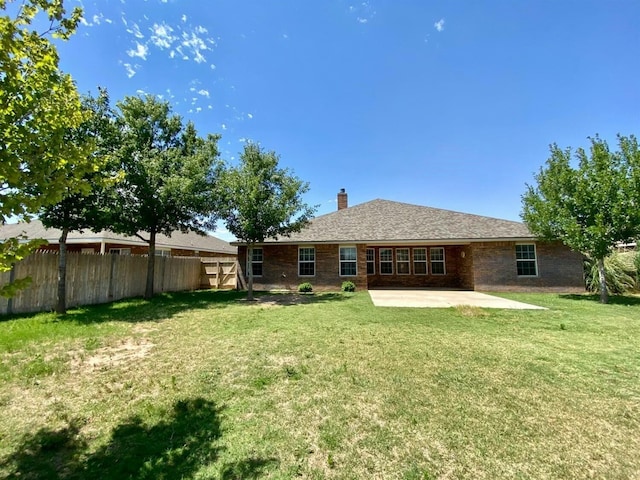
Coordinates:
279 299
105 357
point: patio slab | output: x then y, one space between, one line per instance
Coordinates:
432 298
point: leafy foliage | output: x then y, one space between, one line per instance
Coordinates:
619 271
305 287
589 208
348 286
39 107
168 174
85 210
258 200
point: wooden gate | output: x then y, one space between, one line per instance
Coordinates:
219 273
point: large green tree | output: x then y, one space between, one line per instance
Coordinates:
588 207
257 200
39 105
168 174
79 211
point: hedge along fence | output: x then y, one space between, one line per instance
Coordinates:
93 279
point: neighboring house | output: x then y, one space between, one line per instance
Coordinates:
177 245
390 244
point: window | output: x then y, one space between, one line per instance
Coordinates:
371 261
87 251
306 261
162 253
348 261
437 260
256 261
386 261
120 251
526 260
402 261
420 261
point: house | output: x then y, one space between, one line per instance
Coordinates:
178 244
382 244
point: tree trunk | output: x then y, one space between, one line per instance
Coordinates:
604 294
61 304
151 265
250 264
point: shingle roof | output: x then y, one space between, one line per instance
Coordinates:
178 240
387 221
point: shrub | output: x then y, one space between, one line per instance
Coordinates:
348 286
619 270
305 287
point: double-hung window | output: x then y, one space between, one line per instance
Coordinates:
436 255
402 261
526 260
420 261
386 261
348 261
306 261
371 261
256 261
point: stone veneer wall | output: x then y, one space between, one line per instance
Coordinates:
559 268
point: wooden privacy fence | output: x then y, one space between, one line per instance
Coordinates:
219 272
93 279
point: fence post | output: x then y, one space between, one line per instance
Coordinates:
112 268
12 277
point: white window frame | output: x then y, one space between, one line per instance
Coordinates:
371 261
380 254
307 262
425 261
406 262
341 261
251 261
432 261
521 260
163 252
120 251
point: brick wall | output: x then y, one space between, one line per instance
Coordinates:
494 265
280 268
458 270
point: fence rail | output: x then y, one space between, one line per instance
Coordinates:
93 279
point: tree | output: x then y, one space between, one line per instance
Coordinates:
168 174
78 211
38 106
257 200
589 208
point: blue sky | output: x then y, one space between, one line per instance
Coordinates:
450 104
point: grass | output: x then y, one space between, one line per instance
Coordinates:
206 385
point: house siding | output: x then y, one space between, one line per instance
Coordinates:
494 267
135 250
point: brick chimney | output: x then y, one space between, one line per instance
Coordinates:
342 199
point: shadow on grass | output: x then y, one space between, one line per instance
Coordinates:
293 298
160 307
626 300
176 447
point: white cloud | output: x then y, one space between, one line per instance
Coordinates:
204 93
285 36
130 70
97 18
183 18
140 92
224 127
249 116
135 31
201 30
162 35
439 25
198 109
140 51
213 67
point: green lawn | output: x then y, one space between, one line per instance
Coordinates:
206 385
